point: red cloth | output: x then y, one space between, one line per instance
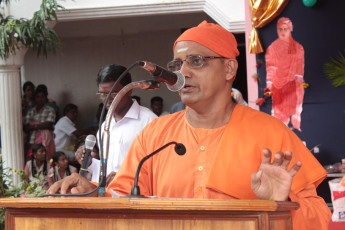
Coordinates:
46 138
285 72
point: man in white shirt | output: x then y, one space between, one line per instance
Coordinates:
66 133
127 121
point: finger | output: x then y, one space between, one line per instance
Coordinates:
68 182
266 158
78 190
54 189
295 168
84 189
78 152
278 158
256 180
287 160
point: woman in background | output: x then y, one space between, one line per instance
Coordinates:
28 100
39 124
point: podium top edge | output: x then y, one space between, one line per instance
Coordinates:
107 203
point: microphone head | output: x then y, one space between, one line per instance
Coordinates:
180 149
90 142
180 82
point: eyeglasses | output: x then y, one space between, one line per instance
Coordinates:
105 95
193 61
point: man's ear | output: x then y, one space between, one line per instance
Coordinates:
231 68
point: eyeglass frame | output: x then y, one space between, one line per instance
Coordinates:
203 58
105 95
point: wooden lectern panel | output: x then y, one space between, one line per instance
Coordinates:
145 213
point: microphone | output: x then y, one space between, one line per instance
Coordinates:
90 142
175 81
180 149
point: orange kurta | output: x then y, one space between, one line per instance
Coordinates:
221 171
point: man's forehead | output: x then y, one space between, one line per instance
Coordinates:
108 85
192 48
182 50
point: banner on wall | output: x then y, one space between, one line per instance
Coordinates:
285 71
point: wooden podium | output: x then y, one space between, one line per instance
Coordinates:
86 213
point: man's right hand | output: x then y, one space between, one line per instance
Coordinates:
79 154
74 184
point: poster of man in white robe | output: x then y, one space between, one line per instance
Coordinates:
285 71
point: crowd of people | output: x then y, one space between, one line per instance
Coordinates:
233 151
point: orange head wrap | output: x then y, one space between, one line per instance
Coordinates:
212 36
285 21
292 42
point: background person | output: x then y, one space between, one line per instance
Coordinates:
178 106
128 119
28 99
50 102
66 134
237 97
157 106
60 168
39 124
37 167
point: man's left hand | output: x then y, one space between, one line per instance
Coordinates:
273 180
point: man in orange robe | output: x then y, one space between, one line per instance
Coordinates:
228 145
285 70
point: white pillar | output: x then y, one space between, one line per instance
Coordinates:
11 112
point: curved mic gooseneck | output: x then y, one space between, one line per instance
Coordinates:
180 149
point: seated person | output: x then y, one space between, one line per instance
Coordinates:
37 167
60 168
66 133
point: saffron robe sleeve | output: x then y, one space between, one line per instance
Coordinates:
246 135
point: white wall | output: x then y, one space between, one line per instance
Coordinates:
78 4
70 75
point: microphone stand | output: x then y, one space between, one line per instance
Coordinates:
180 149
146 84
